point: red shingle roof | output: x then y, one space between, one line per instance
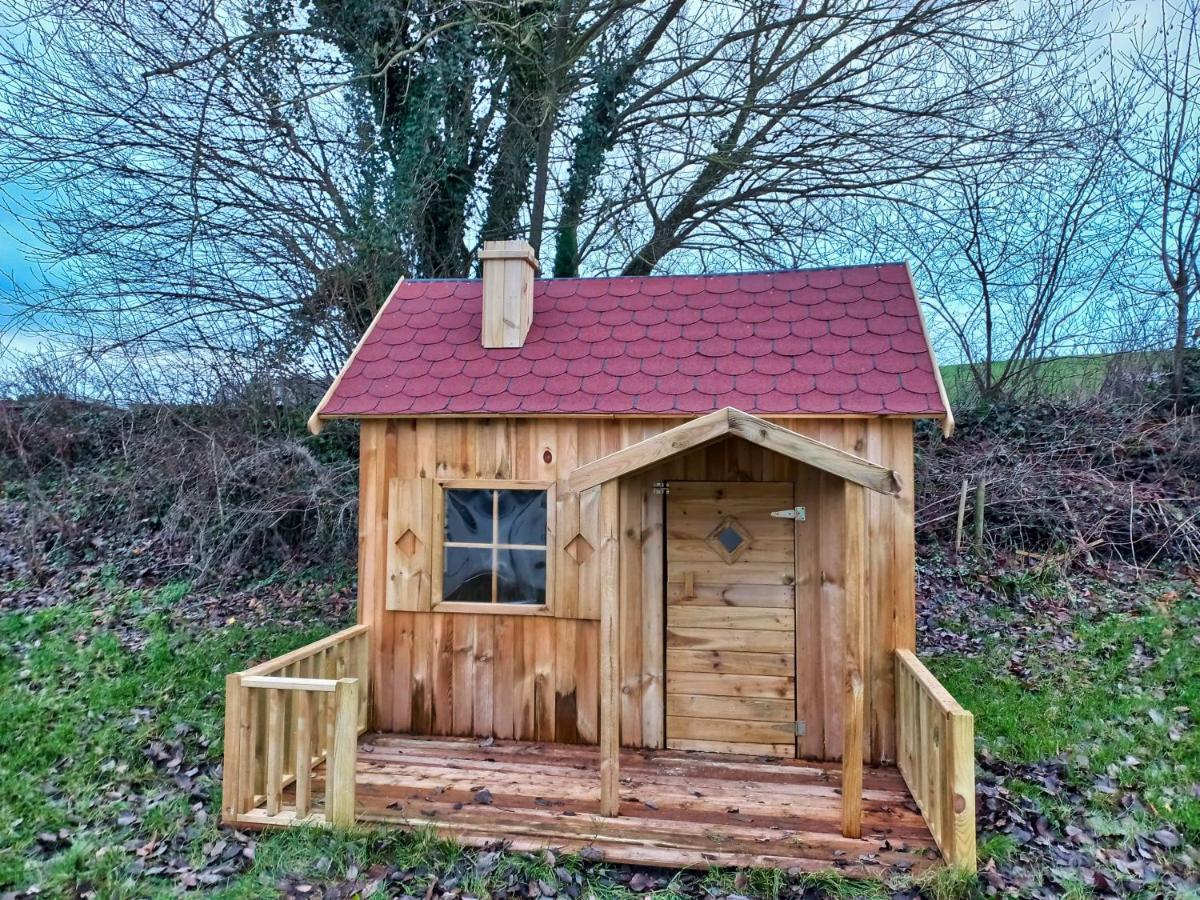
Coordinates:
846 340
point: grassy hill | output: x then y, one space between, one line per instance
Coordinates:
1061 377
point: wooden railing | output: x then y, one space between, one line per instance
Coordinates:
936 755
283 718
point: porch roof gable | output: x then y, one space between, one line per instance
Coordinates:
730 421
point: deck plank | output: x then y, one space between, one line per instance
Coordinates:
678 809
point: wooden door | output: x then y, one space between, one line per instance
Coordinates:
731 621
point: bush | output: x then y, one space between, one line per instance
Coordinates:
1091 479
218 490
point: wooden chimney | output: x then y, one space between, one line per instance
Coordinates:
508 271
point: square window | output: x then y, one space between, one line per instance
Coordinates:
522 517
494 547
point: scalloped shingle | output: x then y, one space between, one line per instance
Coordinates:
820 341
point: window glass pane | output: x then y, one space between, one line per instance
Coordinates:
468 575
523 517
469 516
522 577
730 539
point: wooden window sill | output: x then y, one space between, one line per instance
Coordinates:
497 609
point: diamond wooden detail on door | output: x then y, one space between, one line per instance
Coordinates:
729 539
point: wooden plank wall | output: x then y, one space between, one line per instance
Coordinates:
535 677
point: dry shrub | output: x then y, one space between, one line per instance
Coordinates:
211 491
1092 480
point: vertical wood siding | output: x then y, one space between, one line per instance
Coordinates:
535 677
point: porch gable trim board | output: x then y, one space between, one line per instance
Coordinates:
730 421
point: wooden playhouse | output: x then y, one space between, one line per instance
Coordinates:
635 576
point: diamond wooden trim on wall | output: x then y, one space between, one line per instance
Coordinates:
408 543
579 549
729 539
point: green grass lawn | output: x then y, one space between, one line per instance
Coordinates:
1092 709
1058 378
1118 705
86 689
110 731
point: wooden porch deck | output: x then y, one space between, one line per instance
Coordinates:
678 809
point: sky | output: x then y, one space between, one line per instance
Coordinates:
14 264
19 270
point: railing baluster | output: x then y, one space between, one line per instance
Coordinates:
303 757
363 674
327 728
250 747
287 738
275 746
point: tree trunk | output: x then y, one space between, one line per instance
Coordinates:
1179 350
595 139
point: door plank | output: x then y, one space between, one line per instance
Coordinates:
756 709
725 639
787 751
757 596
746 618
734 662
722 685
745 731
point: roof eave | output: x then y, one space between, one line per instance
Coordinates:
316 421
948 417
730 421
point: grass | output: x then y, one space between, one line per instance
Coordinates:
998 847
1118 706
84 690
1058 378
87 687
952 883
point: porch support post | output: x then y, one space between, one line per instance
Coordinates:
340 763
232 774
855 599
610 663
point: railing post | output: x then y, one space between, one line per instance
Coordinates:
231 772
610 650
274 746
339 769
854 592
303 763
960 789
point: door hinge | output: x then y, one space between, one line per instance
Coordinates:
796 512
661 487
801 728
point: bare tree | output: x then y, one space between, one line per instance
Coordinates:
1019 262
745 119
234 179
1161 80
